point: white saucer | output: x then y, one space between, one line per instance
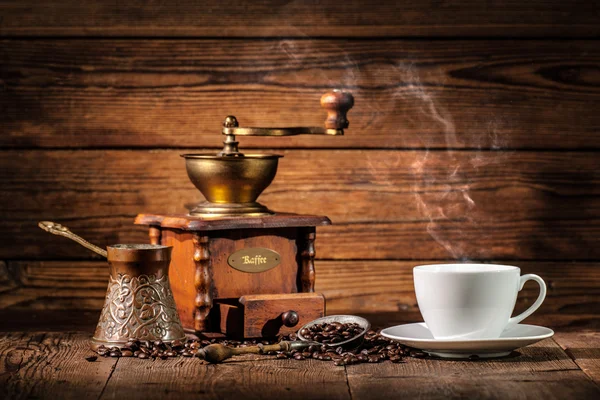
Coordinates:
418 336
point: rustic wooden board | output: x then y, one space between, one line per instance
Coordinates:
248 377
364 287
53 365
384 204
584 349
50 365
484 94
542 370
299 18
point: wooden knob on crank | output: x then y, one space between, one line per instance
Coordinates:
337 103
290 318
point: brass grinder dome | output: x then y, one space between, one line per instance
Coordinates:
231 184
231 181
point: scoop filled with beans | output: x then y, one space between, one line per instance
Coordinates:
331 333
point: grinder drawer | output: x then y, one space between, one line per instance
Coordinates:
268 315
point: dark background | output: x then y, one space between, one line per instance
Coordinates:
474 136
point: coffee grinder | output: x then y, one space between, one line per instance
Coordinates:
238 268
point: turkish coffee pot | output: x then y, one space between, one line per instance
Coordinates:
139 303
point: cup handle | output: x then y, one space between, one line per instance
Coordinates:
515 320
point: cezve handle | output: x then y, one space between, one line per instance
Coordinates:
58 229
515 320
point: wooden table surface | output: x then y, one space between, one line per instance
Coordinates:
51 364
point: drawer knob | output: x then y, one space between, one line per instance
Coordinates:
290 318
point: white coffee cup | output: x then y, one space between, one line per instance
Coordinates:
471 301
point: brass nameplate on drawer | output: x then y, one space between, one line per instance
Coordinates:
256 259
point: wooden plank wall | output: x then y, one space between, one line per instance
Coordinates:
474 136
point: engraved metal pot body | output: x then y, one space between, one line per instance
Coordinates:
139 302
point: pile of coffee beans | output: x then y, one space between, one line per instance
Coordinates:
332 333
374 349
146 349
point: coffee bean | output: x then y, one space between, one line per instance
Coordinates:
298 356
396 359
126 353
115 354
143 356
91 358
282 356
418 354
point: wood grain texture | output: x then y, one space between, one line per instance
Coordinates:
300 19
584 348
542 370
364 287
384 204
483 94
50 365
247 377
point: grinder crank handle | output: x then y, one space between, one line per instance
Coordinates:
216 353
58 229
336 103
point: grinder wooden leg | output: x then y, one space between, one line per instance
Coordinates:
202 282
307 258
155 234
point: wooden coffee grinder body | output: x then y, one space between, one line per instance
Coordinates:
216 292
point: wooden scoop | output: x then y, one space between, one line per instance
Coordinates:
216 353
